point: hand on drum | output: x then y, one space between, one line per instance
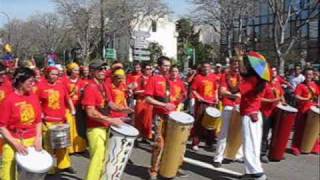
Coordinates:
254 117
20 148
116 121
170 106
38 144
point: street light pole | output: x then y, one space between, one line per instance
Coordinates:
9 25
102 27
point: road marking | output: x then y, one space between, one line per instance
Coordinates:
209 166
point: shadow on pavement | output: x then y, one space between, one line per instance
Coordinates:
62 176
137 171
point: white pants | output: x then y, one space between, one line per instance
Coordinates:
222 138
252 134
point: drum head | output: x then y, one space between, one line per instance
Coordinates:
36 162
213 112
126 130
181 117
287 108
315 109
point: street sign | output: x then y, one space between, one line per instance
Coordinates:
111 54
141 52
141 44
144 34
141 58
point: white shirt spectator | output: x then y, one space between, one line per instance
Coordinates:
295 80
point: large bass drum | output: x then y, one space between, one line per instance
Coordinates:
119 150
176 137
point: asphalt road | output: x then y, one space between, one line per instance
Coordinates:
304 167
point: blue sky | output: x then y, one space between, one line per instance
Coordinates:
22 9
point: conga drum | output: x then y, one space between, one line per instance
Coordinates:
211 119
284 121
60 136
34 165
176 137
311 130
119 150
234 138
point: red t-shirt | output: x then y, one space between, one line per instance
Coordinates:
53 98
156 88
20 114
142 83
306 91
93 96
118 96
206 86
272 90
250 100
133 77
5 90
177 91
231 82
74 87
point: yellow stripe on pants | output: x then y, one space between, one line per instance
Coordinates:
62 155
78 144
8 171
98 146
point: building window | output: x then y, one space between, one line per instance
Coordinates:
154 26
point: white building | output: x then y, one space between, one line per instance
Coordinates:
162 31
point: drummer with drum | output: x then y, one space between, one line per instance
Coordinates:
230 99
96 100
272 96
158 94
54 99
20 121
307 95
205 90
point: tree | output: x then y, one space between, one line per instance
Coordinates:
225 16
290 16
155 51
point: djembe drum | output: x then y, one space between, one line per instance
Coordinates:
284 121
234 139
311 130
176 137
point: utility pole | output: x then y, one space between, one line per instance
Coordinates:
102 28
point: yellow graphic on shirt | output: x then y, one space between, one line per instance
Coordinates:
233 82
2 96
208 88
27 113
73 89
177 93
119 97
53 99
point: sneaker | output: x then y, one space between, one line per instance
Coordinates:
195 148
153 176
216 164
182 173
295 151
254 177
264 159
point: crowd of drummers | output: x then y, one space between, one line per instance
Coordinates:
90 99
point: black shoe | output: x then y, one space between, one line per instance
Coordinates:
68 170
182 173
264 159
216 164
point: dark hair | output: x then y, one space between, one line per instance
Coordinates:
145 64
174 66
2 67
21 75
307 69
161 59
136 63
